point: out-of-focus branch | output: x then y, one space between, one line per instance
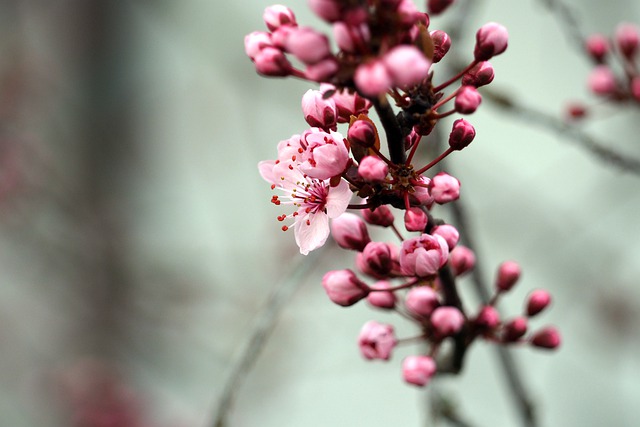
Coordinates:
264 325
568 22
572 133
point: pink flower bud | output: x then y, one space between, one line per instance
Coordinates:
325 154
418 370
408 13
350 104
363 133
280 35
415 219
272 62
381 299
538 300
421 301
422 193
381 216
444 188
318 111
449 233
597 46
508 275
406 65
462 260
423 256
635 88
343 287
322 71
277 15
462 133
350 232
447 321
377 259
481 74
436 7
548 338
488 318
491 40
376 340
514 329
308 45
256 41
468 100
372 78
627 38
441 44
329 10
602 81
350 38
373 169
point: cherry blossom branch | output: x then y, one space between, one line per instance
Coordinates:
392 129
551 123
264 325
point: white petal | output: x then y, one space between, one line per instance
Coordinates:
314 235
265 168
338 199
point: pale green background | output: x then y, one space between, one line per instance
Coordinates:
199 248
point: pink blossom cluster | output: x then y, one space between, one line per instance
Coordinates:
615 76
385 51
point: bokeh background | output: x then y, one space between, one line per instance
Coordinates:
138 247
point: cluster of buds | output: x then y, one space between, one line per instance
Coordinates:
386 51
615 76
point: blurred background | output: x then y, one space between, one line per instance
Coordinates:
138 246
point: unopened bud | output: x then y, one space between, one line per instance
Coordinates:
380 298
602 81
415 219
467 100
508 275
350 232
436 7
481 74
277 15
318 111
449 233
538 300
548 338
343 287
418 370
491 40
462 260
441 44
462 133
627 38
407 65
308 45
514 329
444 188
372 78
421 301
488 318
272 62
322 71
376 340
381 216
597 46
363 133
378 258
373 169
447 321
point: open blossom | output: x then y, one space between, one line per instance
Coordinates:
315 201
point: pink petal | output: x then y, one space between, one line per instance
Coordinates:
338 199
313 235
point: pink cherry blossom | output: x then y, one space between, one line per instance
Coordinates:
315 201
318 111
350 232
278 15
491 40
406 65
447 321
379 298
421 301
373 169
441 44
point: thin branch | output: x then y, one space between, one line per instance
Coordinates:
569 24
507 362
264 325
551 123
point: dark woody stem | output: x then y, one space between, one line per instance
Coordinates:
395 139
